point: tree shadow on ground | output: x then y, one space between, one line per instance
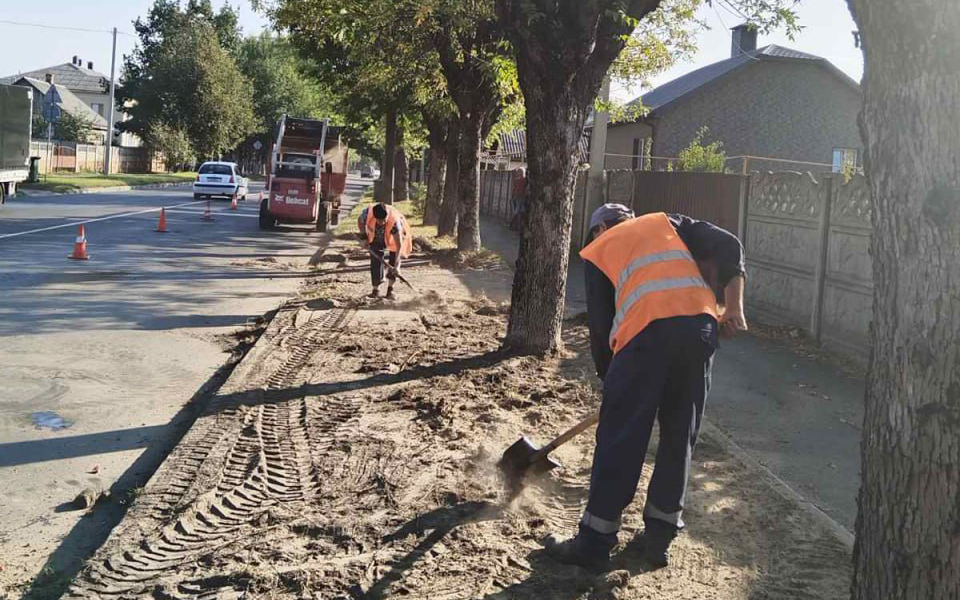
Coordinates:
441 521
265 396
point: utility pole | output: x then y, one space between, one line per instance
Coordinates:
113 87
598 149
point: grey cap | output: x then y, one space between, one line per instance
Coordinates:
610 212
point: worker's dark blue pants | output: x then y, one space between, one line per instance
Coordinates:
663 373
376 266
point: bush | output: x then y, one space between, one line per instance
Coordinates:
708 158
418 198
170 141
73 128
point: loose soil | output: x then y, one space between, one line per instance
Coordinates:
351 454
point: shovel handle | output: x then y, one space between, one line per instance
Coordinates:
384 263
566 436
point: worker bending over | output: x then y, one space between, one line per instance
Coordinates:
652 284
383 228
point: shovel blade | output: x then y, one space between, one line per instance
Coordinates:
516 459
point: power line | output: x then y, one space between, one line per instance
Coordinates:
42 26
739 47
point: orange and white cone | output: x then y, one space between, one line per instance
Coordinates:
162 224
207 215
233 203
80 247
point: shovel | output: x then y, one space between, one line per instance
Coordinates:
523 456
387 267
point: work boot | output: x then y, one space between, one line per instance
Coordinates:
375 293
654 543
390 295
587 549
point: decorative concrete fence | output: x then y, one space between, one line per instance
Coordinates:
807 238
808 255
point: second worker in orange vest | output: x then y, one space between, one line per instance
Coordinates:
384 229
652 286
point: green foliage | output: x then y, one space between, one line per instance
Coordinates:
658 41
283 83
71 127
418 200
369 67
171 141
372 68
182 76
39 126
704 158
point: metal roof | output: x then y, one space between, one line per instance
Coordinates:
66 100
681 86
75 77
513 144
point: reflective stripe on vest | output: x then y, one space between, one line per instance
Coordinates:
638 263
653 273
657 285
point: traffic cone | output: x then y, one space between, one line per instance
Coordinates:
207 215
233 203
80 247
162 225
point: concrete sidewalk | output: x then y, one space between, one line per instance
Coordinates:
792 411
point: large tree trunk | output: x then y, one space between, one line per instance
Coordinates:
468 230
554 127
449 209
438 171
560 65
401 177
384 188
908 524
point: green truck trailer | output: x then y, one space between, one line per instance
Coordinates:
16 105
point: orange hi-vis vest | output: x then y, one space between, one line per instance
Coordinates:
393 217
654 274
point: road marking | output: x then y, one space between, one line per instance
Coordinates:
215 213
76 223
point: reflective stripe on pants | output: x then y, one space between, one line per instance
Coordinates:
662 374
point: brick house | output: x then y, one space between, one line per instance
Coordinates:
772 102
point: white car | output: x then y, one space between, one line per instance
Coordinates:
220 179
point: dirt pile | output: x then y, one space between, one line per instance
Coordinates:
351 456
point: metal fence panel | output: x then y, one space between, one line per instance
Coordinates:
713 197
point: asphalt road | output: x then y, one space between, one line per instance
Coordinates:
98 358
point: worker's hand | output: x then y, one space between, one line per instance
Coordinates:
731 322
393 272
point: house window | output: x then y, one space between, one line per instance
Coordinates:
636 154
844 160
97 108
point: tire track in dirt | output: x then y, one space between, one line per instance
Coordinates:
269 462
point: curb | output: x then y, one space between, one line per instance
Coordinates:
101 190
841 533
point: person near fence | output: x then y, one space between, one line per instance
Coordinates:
518 198
654 285
384 231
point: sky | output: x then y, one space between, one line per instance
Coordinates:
827 32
